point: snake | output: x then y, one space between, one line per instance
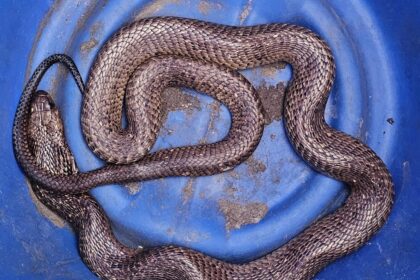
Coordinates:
152 54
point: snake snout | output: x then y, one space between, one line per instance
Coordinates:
42 102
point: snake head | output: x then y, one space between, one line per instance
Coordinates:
44 113
46 136
42 108
45 125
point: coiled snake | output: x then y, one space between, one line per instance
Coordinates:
151 54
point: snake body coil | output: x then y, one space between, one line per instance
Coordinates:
154 53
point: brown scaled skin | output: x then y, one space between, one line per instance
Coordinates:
329 151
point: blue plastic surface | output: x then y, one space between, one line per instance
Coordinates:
374 98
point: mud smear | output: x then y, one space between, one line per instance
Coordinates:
238 214
205 7
95 31
81 21
255 166
188 191
174 99
270 70
153 7
88 45
245 12
45 211
272 100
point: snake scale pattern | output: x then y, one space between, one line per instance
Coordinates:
141 60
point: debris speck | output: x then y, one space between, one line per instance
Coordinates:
390 121
133 188
206 6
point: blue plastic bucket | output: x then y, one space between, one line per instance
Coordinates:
245 213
